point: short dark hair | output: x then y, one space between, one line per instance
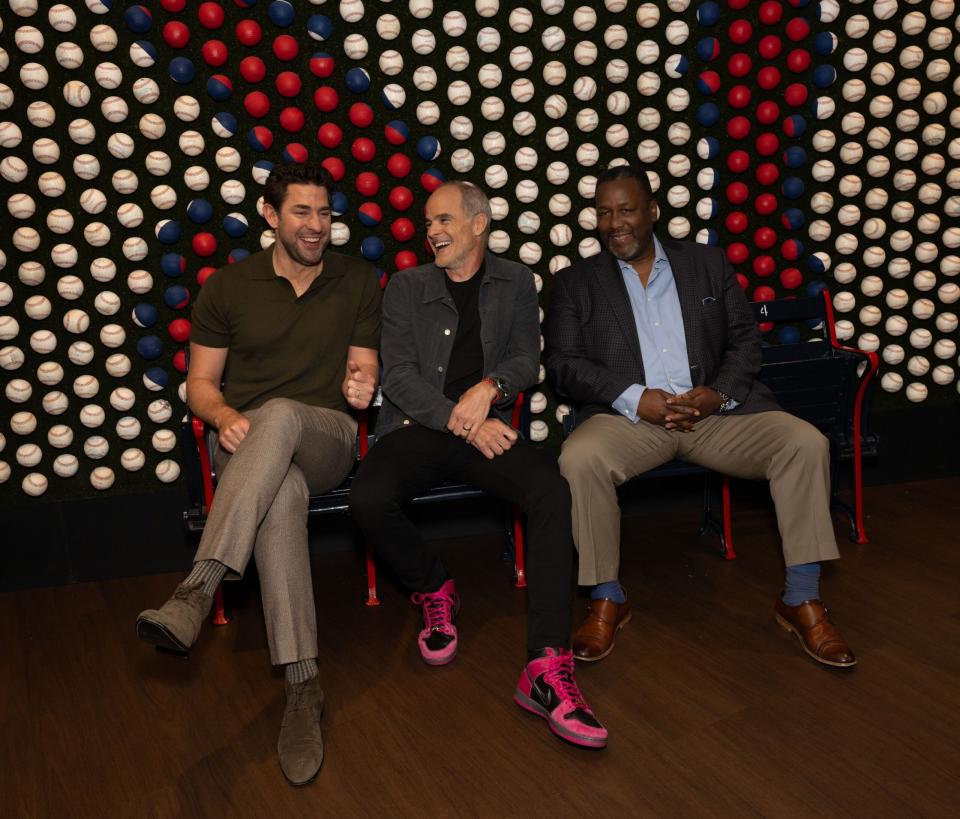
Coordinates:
285 174
627 172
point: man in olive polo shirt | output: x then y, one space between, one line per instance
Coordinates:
283 344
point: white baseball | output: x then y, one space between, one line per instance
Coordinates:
29 455
102 477
388 27
164 440
128 428
80 353
421 8
34 76
130 215
96 447
521 58
167 470
554 73
351 10
140 282
132 459
92 415
558 173
490 75
34 484
485 8
186 108
103 37
524 123
196 178
92 200
112 335
526 191
423 41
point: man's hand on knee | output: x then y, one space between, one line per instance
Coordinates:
472 410
232 427
494 438
689 407
654 408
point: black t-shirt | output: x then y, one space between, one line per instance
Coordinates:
466 359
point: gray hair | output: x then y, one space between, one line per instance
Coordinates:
474 200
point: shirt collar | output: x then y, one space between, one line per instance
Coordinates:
659 257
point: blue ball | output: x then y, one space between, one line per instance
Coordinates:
150 347
199 211
155 378
825 43
371 248
182 70
815 288
237 254
708 49
788 334
816 265
708 148
708 114
397 132
681 67
261 170
235 225
168 231
339 204
218 89
357 80
714 208
824 76
428 148
149 50
319 27
708 14
138 19
708 236
224 124
172 264
795 157
281 13
793 187
176 296
793 218
144 315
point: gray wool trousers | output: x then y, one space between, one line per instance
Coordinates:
291 451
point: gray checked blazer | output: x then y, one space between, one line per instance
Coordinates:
592 346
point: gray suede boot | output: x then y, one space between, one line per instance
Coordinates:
176 624
300 746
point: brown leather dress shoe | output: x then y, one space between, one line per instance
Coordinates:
817 635
595 638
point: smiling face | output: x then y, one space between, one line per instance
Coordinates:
456 238
302 224
625 219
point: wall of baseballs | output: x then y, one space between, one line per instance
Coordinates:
816 142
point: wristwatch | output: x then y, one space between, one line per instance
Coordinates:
501 388
725 402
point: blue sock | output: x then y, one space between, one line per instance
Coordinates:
611 590
802 583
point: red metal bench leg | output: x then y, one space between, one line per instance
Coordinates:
728 553
372 599
220 617
520 580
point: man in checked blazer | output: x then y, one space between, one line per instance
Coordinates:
654 342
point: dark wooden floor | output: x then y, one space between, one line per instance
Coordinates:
712 710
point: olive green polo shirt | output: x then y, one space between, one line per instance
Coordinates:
281 345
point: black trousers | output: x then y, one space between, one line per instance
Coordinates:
407 462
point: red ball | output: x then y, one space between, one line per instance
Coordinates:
738 161
737 252
768 112
795 94
764 326
335 167
739 64
248 32
798 29
710 79
768 77
371 212
739 96
738 4
292 119
736 221
764 237
179 330
402 229
257 104
285 47
768 174
738 128
296 152
326 98
329 135
288 83
180 360
322 66
361 114
737 193
430 181
204 273
767 144
399 165
368 183
176 34
791 278
764 266
214 52
770 13
798 60
363 149
173 6
740 31
742 281
405 259
769 47
210 15
204 244
400 198
765 204
252 69
764 293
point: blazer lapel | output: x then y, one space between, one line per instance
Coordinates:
690 306
611 281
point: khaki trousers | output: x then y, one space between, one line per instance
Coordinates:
291 451
607 450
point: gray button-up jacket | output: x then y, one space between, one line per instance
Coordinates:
420 323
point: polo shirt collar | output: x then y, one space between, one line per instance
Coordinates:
332 269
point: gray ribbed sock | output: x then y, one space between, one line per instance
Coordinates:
302 670
208 572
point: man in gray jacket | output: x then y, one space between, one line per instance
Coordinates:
460 339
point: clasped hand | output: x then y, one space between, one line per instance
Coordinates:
678 412
471 411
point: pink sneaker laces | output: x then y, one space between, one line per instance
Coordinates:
559 675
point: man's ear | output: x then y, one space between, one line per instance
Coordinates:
480 224
654 210
271 215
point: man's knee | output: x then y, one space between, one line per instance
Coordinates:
293 496
371 495
809 443
581 459
281 412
